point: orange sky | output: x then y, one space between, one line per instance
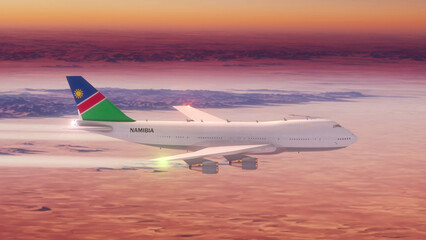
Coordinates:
269 15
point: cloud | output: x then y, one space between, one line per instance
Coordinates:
61 66
72 162
6 154
43 209
177 47
82 149
56 103
11 151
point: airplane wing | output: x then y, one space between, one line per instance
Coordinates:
197 115
212 151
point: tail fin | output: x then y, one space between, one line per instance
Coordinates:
92 105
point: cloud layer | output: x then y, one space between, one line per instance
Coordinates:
73 48
55 103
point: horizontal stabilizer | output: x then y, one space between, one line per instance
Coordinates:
94 128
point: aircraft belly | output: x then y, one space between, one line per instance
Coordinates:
309 149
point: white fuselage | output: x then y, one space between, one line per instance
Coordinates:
291 135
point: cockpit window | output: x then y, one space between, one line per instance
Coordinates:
336 126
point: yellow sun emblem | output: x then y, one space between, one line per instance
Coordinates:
78 93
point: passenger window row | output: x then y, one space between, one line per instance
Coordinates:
302 139
348 138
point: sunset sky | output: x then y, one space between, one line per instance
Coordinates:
240 38
361 63
266 15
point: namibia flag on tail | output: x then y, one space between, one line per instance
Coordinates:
92 105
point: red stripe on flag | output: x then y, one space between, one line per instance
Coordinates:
90 102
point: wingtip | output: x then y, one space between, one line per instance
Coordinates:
182 106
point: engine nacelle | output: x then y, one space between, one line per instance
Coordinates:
246 163
204 166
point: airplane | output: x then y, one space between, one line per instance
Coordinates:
204 135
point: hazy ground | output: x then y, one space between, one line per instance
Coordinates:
375 189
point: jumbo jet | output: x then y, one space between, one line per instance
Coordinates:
204 135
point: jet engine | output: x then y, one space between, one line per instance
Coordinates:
243 162
203 165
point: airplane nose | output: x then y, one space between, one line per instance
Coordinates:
355 138
351 136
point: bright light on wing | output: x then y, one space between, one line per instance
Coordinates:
162 163
74 123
